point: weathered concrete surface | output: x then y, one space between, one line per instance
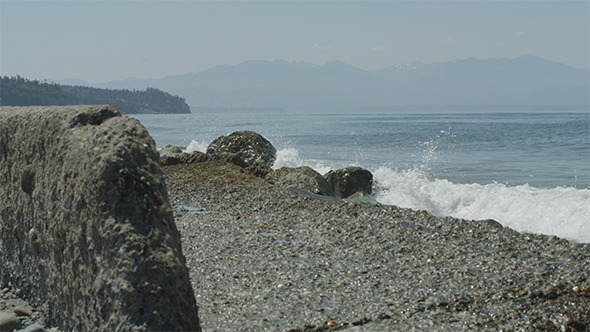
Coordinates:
86 229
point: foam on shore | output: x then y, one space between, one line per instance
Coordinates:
559 211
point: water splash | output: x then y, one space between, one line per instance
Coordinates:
289 157
196 145
561 211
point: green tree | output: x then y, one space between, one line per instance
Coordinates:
18 91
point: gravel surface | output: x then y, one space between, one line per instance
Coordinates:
12 304
262 257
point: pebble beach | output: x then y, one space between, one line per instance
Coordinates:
265 257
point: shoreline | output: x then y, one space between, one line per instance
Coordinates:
263 257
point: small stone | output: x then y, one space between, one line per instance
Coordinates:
9 322
21 311
172 149
35 327
492 223
27 181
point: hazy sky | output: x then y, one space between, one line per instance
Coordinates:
100 41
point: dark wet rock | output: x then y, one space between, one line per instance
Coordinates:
232 158
9 322
28 181
243 148
350 180
21 312
259 169
90 237
170 155
170 160
303 177
184 158
195 157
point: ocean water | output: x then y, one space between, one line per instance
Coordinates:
528 171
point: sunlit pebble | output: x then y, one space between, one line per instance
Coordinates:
217 246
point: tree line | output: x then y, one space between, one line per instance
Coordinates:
19 91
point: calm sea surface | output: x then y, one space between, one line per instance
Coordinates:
529 171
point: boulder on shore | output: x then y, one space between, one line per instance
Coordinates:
303 177
347 181
183 158
9 322
170 150
86 229
244 149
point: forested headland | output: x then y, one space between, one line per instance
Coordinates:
19 91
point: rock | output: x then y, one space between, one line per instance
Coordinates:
184 158
361 197
195 157
303 177
347 181
308 194
9 322
33 328
27 181
243 147
493 223
172 149
91 236
259 169
21 312
233 158
169 160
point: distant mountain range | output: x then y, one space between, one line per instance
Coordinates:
527 81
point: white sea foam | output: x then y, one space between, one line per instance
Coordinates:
561 211
196 145
407 152
289 157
